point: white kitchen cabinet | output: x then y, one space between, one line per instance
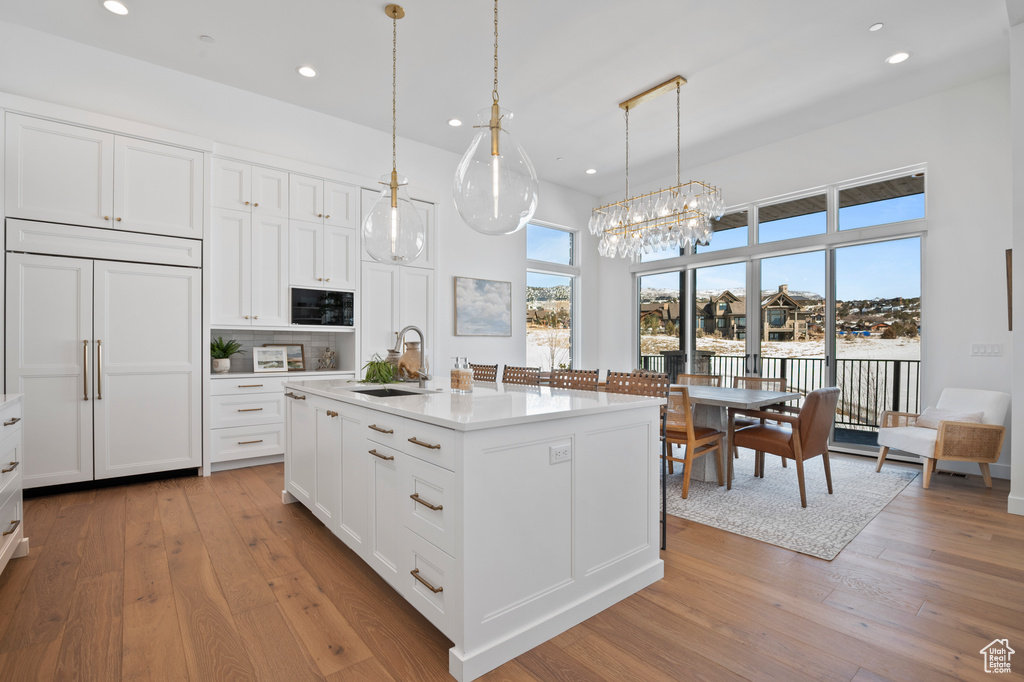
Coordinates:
322 201
394 297
58 172
300 465
327 487
322 256
427 258
250 254
352 508
13 542
243 187
109 358
384 537
313 469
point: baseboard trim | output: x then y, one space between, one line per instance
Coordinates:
243 463
1015 504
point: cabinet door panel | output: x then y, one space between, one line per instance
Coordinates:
230 185
300 456
385 517
305 261
231 244
158 188
305 198
148 354
340 244
416 304
58 172
426 211
49 325
341 204
353 506
328 465
269 271
269 192
378 321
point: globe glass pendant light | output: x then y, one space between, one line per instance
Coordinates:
392 230
495 182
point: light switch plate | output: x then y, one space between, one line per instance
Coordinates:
990 350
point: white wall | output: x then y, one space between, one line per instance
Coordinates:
51 69
963 135
1016 502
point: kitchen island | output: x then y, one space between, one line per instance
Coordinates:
505 516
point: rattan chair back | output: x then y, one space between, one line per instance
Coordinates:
484 372
760 383
639 382
579 379
526 376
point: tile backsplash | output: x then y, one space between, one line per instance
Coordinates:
313 346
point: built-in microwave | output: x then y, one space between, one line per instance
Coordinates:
317 307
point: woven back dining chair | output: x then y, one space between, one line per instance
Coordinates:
579 379
484 372
638 382
699 379
526 376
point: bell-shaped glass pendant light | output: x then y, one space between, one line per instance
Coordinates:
392 230
495 183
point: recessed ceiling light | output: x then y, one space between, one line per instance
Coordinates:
876 27
591 171
454 122
898 57
206 38
307 71
115 7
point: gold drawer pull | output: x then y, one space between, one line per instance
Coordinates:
14 465
416 441
416 574
297 397
15 524
416 496
249 442
377 454
331 413
377 428
13 421
252 409
250 385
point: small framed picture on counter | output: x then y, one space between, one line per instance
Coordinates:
295 353
272 359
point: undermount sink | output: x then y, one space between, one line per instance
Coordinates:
384 392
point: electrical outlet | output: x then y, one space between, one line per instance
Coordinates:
560 453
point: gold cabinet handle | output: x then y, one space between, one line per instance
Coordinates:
247 203
319 279
256 204
377 428
255 317
297 397
85 370
328 216
118 219
252 409
13 421
249 442
331 413
319 215
15 524
14 465
106 217
99 368
247 317
377 454
250 385
416 441
328 279
415 573
416 497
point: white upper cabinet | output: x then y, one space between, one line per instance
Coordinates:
322 256
269 192
322 201
58 172
249 281
243 187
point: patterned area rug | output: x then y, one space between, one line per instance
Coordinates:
768 509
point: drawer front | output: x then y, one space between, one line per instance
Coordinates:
246 410
10 519
430 443
384 428
10 464
10 419
424 570
242 385
428 502
246 441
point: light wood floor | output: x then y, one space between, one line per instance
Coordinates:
214 579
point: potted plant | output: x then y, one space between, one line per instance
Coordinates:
221 352
378 371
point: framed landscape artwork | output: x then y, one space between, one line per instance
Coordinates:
483 307
273 359
295 352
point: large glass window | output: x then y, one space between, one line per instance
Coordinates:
549 244
790 219
660 324
720 299
551 280
880 203
730 232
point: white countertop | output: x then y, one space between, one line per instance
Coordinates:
488 406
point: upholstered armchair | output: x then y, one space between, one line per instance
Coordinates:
966 425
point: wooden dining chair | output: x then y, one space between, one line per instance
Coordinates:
638 382
699 379
757 384
484 372
579 379
526 376
696 440
797 437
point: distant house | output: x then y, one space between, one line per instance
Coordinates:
879 328
726 314
783 317
659 314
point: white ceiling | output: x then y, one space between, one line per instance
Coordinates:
758 71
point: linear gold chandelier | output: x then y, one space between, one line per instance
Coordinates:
666 219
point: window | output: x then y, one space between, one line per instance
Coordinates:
730 232
790 219
722 305
551 290
776 318
881 203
